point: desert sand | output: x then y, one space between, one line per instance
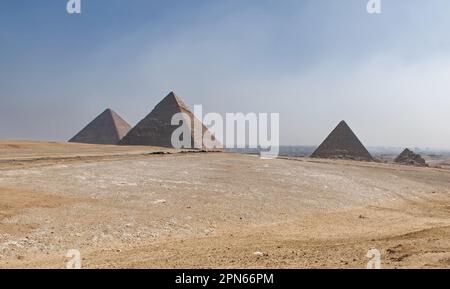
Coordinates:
143 207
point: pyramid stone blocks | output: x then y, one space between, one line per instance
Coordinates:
342 143
156 128
107 128
408 157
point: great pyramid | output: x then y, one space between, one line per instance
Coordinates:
342 143
408 157
156 128
107 128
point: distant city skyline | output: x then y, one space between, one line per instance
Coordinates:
314 62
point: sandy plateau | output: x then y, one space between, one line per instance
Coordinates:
135 207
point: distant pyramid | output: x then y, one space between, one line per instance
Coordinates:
156 128
408 157
107 128
342 143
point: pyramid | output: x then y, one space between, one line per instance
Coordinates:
107 128
156 128
408 157
342 143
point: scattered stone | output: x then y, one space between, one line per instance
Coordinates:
258 254
391 251
162 201
400 258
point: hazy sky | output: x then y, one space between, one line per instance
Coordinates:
315 62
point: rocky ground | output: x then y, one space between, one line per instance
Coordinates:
140 207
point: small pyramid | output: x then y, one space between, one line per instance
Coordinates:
342 143
408 157
156 128
107 128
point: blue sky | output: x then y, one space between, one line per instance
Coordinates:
315 62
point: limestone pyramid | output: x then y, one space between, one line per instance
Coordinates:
342 143
107 128
156 128
408 157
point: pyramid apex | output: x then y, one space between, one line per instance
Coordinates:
109 111
173 97
172 94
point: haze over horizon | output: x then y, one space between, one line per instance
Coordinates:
314 62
